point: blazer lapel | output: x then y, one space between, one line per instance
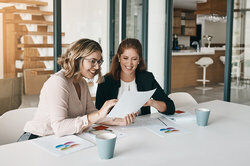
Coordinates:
138 82
115 88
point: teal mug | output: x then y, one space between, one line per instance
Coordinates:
106 145
202 116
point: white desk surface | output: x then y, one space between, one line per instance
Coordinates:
224 142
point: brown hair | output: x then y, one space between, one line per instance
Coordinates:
115 69
71 60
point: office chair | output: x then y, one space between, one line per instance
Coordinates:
182 99
12 124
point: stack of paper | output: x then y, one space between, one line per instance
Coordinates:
60 146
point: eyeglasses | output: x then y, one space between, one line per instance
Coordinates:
94 62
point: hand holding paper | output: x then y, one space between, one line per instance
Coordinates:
148 103
130 102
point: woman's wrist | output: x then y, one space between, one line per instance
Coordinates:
114 122
93 117
119 121
159 105
153 103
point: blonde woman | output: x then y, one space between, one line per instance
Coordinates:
65 105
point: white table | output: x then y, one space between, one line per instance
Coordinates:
225 142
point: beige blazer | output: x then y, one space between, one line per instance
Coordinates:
60 111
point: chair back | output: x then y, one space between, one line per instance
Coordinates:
182 99
10 94
12 124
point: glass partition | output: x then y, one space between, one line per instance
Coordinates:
117 38
198 47
26 40
240 73
134 19
26 44
87 19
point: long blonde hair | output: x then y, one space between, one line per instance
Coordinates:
71 60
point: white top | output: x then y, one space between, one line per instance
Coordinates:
60 111
127 86
224 142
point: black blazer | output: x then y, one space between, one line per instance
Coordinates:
145 81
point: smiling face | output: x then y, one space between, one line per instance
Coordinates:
89 68
129 60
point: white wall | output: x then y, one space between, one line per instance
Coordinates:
1 46
156 39
85 19
215 29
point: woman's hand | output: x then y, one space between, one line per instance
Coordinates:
102 113
159 105
106 108
150 102
129 119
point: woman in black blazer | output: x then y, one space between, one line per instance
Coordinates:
128 72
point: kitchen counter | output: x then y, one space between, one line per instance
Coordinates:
185 72
190 52
203 51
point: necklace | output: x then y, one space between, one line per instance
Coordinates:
128 86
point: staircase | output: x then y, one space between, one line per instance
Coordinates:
27 37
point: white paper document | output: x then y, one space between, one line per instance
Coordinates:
182 117
162 127
60 146
130 102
